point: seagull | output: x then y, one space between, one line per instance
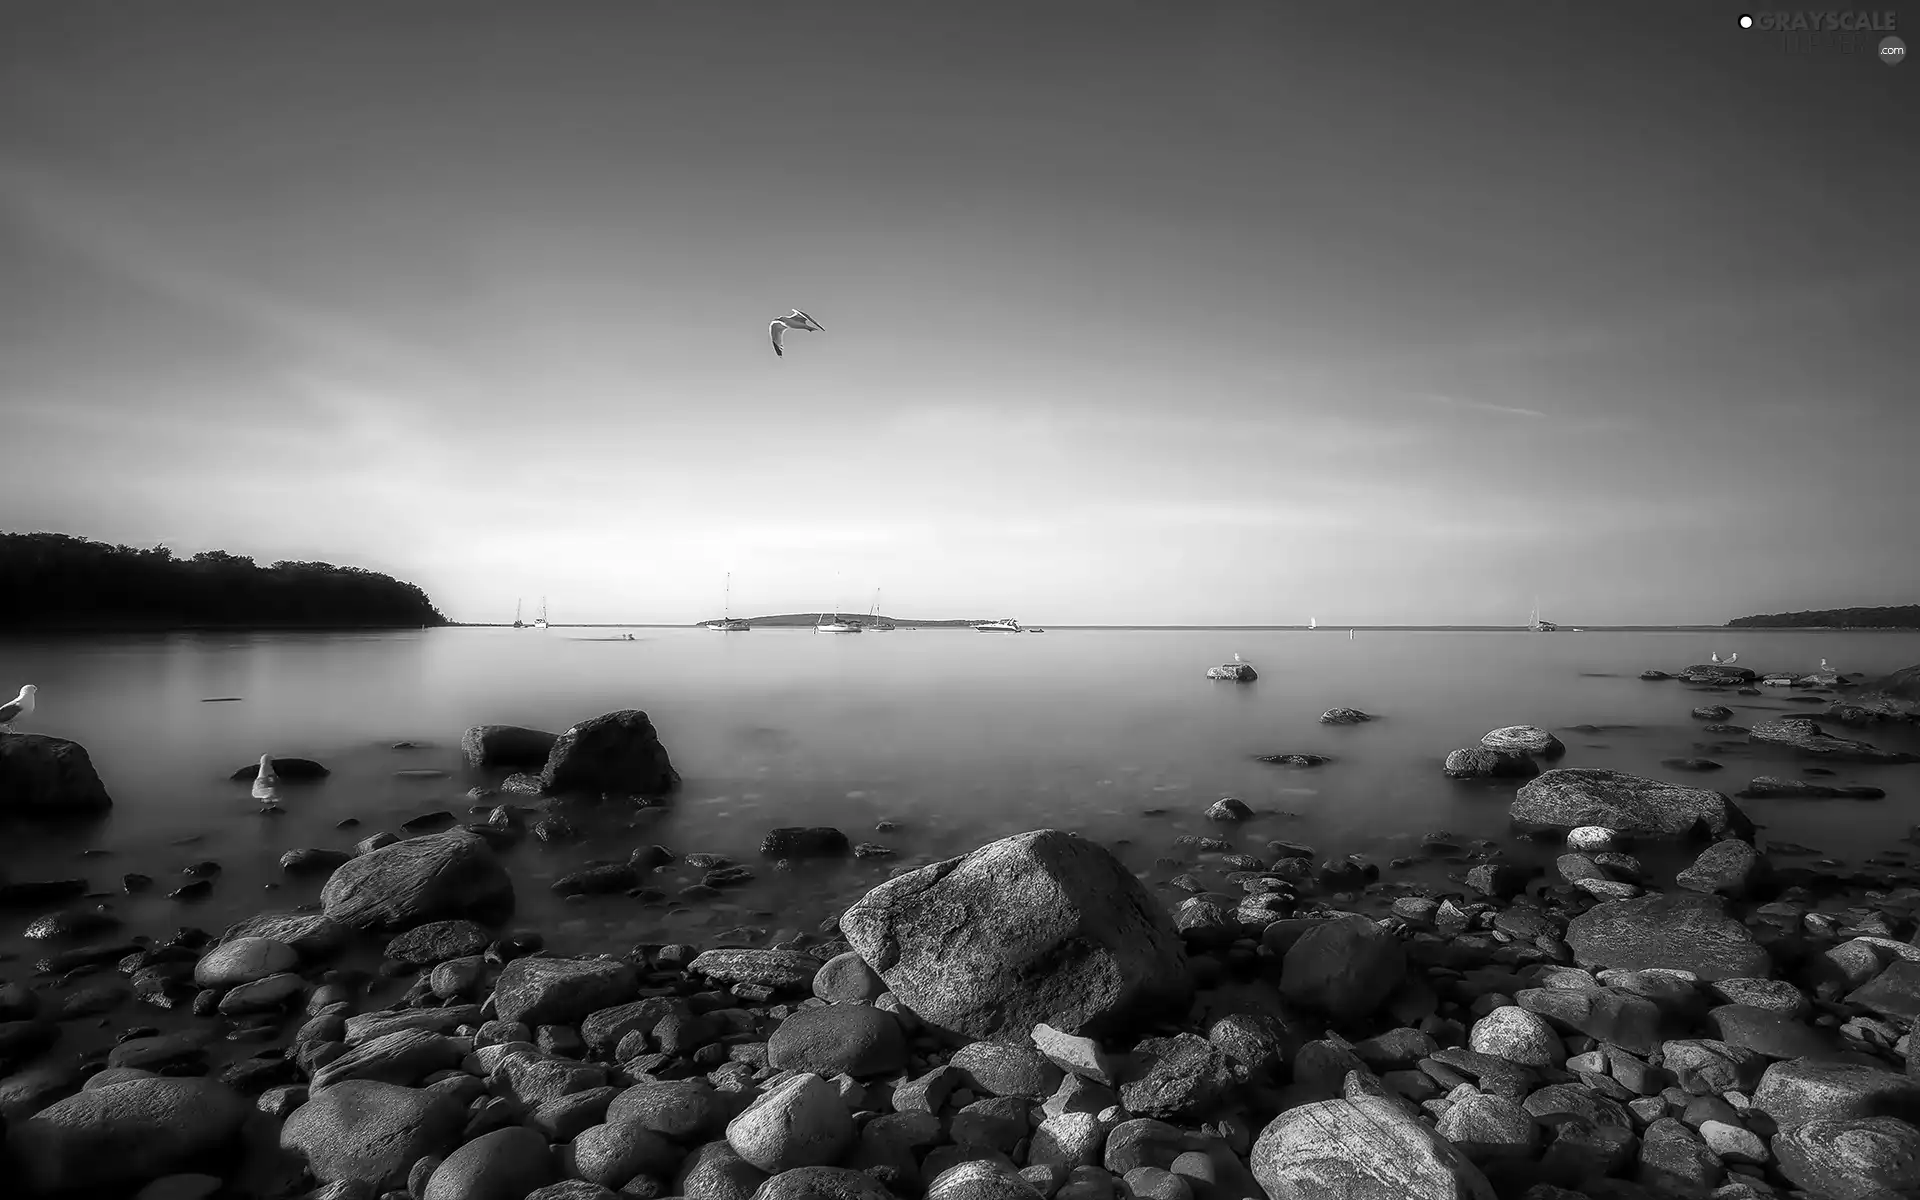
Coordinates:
19 706
263 790
1732 658
1824 667
1714 657
793 320
1237 658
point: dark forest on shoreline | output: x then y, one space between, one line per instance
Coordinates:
56 581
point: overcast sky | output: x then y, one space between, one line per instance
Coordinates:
1197 312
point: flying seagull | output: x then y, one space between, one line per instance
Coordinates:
793 320
19 706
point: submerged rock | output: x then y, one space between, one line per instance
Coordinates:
1804 736
1767 787
1041 927
1344 716
1236 672
1481 762
118 1138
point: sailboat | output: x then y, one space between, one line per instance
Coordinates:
1535 624
726 623
874 619
517 622
834 626
1312 624
540 622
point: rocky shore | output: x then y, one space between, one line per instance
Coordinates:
1026 1021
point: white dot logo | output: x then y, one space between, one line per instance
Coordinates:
1893 51
1746 22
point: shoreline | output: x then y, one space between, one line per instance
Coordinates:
1507 1027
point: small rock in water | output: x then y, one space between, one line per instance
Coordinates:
1228 808
1344 716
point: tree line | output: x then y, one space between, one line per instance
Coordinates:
1904 616
51 580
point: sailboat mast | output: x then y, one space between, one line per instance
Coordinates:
727 611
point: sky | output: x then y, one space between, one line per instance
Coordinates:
1236 313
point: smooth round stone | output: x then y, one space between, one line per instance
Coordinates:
1518 1036
244 960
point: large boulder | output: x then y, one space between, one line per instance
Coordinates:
48 776
372 1131
618 752
1859 1157
1686 932
1041 927
1570 797
116 1138
1803 735
507 746
1367 1148
432 878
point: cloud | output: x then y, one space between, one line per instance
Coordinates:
1477 405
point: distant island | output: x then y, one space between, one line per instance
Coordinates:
798 620
1905 616
57 581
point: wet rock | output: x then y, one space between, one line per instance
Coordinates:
308 860
1730 868
1858 1158
598 879
312 936
1805 736
1182 1075
71 925
846 978
244 960
1768 787
438 941
503 1165
506 746
1571 797
1486 1128
1684 932
839 1039
617 753
1362 1149
405 1056
805 842
1346 966
1006 1069
715 1172
1294 760
1525 739
437 877
1344 716
1775 1034
1481 762
114 1139
367 1130
611 1154
43 776
782 970
686 1111
800 1122
1840 1086
980 944
1518 1036
1713 712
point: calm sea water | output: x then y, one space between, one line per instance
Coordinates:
956 736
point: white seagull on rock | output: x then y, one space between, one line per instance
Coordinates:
793 320
1824 667
1714 657
1732 658
19 706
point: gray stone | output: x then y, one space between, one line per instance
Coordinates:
1571 797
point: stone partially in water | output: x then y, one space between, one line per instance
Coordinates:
117 1138
1041 927
43 776
506 746
1804 736
1570 797
1526 739
616 753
